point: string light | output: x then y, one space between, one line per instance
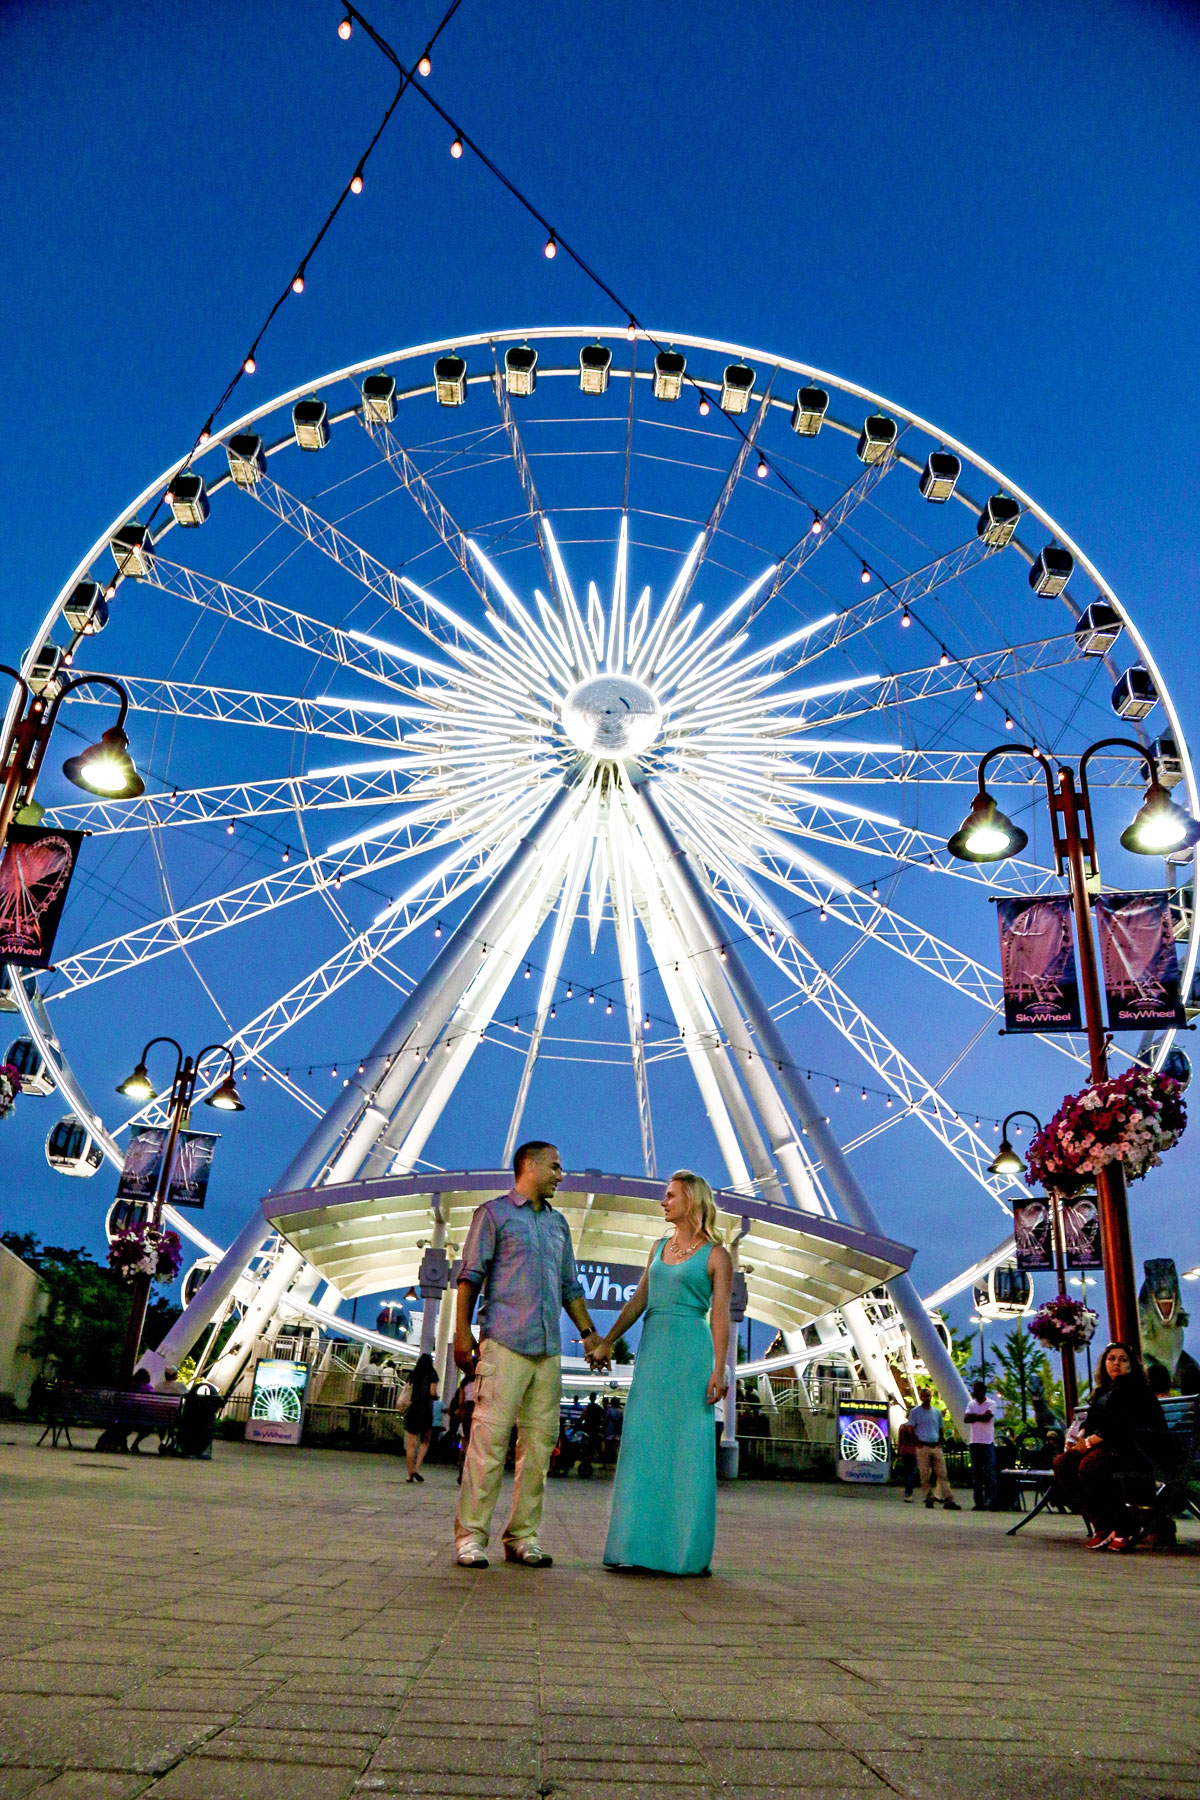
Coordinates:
437 930
824 915
551 248
425 66
356 182
553 1013
591 998
345 28
608 1008
724 954
865 577
705 406
570 992
287 855
528 971
456 148
249 366
978 690
337 880
864 1093
874 890
298 281
229 829
906 618
631 330
817 526
945 658
762 470
889 1100
1008 722
362 1069
646 1023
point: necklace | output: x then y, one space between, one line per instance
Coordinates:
681 1255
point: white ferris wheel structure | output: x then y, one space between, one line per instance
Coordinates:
591 698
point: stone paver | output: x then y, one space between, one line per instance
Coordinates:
289 1624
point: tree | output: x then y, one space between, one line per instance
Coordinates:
1024 1380
621 1352
79 1334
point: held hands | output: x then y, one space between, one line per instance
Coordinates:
597 1352
717 1385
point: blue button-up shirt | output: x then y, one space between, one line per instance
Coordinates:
523 1259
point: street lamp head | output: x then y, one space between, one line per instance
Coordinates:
226 1097
138 1086
986 834
1006 1161
1160 825
106 768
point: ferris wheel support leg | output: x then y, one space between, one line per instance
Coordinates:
213 1298
255 1321
845 1183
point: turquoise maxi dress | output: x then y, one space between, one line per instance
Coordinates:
664 1510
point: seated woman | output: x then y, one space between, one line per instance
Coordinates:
1122 1411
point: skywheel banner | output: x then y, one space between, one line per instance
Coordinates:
1141 967
1037 965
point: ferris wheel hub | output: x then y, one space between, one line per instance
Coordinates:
611 716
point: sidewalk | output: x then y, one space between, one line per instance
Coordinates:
287 1625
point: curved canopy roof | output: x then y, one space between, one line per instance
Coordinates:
367 1236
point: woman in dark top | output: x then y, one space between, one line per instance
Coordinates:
1122 1412
418 1420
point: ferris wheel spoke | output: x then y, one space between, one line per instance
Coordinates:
713 523
621 889
356 722
887 601
919 1096
520 459
353 651
421 490
983 669
371 784
250 900
830 521
334 543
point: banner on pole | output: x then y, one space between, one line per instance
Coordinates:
1081 1232
1037 965
35 873
143 1163
1141 967
1033 1232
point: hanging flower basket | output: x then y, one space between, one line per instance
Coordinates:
1131 1119
1063 1324
10 1087
140 1250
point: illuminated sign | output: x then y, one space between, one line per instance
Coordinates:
864 1453
277 1402
608 1285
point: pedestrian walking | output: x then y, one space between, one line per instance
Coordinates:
926 1422
981 1436
519 1263
418 1420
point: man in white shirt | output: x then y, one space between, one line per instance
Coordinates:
981 1435
926 1421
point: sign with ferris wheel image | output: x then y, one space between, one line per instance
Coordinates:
277 1402
863 1441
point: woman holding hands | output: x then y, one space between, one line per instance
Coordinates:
664 1510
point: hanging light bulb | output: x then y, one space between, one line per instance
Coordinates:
362 1068
437 930
646 1023
287 855
591 997
824 915
356 182
978 691
608 1008
345 28
553 1013
631 330
551 249
570 992
762 471
889 1100
229 829
944 660
527 971
333 1071
837 1087
1008 722
817 526
298 282
206 434
425 66
874 890
337 880
864 1093
906 618
724 954
705 406
865 577
249 366
456 148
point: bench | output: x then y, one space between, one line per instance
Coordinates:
1167 1469
113 1409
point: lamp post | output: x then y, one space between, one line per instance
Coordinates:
1085 1282
138 1087
1160 826
1008 1162
105 768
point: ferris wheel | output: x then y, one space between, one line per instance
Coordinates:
655 668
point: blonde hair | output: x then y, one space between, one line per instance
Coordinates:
703 1206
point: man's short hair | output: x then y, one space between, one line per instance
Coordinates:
529 1153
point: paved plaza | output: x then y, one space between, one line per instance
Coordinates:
288 1623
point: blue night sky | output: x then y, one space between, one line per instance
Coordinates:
986 214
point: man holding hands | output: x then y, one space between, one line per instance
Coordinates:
519 1257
